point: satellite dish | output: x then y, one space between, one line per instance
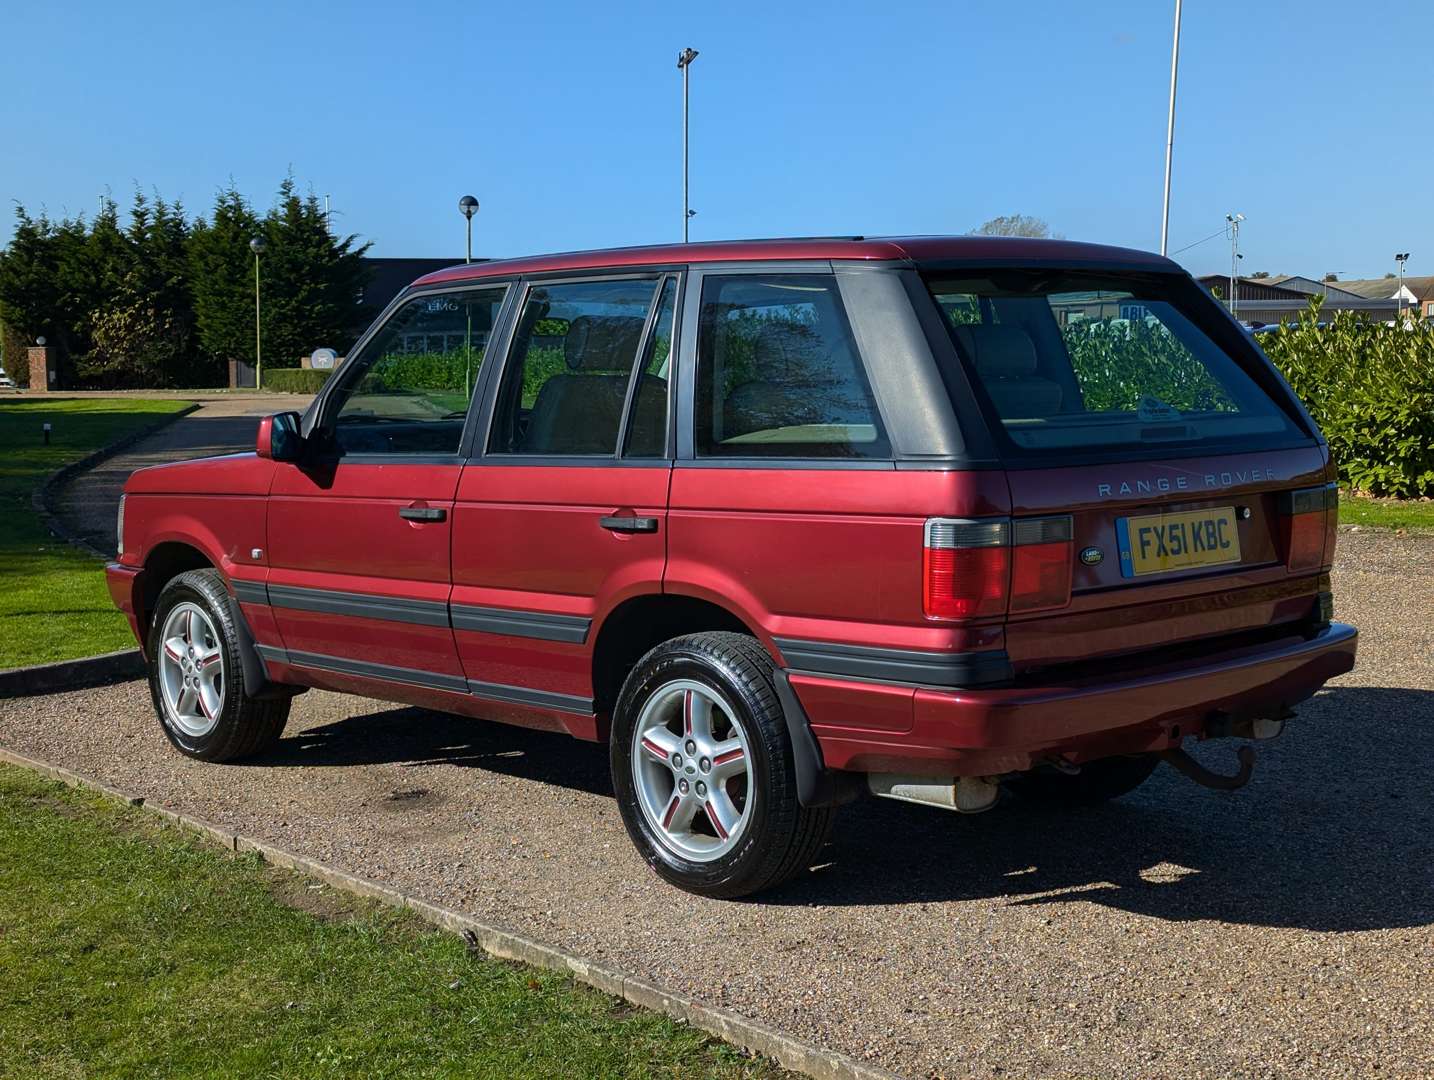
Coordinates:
323 359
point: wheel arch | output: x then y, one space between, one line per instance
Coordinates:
642 622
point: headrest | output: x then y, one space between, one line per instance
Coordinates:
1001 352
602 342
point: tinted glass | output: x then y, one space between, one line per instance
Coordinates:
569 370
647 428
1087 362
407 392
778 373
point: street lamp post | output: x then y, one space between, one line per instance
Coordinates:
1170 132
256 245
684 65
1233 222
1401 258
468 206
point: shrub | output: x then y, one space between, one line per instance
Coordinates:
294 380
1370 387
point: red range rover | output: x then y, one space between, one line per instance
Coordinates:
780 522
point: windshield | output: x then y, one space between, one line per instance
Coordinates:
1066 362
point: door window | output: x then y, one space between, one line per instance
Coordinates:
647 428
570 368
407 391
778 373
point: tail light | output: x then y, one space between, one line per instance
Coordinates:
973 569
1042 558
1306 517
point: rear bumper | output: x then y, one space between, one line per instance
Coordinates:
125 590
1009 729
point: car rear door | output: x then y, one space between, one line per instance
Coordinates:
561 514
360 530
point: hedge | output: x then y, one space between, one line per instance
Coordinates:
294 380
1370 387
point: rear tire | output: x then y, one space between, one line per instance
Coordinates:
1097 782
196 676
703 769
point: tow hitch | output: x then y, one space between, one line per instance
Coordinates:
1187 765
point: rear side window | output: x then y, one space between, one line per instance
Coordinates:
1081 362
778 373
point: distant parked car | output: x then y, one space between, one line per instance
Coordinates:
777 521
6 383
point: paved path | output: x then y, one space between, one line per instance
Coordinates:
1285 930
88 503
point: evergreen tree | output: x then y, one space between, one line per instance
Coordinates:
221 269
311 280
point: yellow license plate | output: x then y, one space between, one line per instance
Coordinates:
1156 543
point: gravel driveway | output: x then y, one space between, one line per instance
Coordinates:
1284 930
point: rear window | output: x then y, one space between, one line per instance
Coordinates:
1076 362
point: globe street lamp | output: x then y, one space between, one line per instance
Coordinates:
468 206
256 245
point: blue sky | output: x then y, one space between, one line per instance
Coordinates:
1313 118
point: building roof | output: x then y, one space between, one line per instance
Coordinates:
1386 288
919 249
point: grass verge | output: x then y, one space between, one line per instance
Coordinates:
130 948
1386 513
53 600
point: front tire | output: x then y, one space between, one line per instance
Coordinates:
196 676
1097 782
703 769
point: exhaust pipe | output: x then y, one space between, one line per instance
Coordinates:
964 794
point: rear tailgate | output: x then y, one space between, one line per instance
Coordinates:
1221 521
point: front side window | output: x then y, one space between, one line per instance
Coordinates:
570 367
407 391
778 372
1067 362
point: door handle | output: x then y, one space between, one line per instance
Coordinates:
423 513
629 524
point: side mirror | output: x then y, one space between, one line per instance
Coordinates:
279 437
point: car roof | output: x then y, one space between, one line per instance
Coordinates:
909 249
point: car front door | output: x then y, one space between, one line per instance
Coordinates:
360 528
562 515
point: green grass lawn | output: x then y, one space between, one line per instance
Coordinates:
53 601
129 948
1387 513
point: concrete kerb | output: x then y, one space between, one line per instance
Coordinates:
756 1038
40 497
77 674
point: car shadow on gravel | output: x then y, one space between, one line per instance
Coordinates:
1334 833
410 736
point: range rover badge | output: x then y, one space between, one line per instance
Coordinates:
1092 556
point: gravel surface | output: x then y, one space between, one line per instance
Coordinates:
1285 930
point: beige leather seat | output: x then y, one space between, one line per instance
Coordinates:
579 410
1005 359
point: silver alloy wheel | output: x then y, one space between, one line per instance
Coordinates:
690 767
191 670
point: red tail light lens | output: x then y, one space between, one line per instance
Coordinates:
1042 560
1306 522
973 569
966 568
